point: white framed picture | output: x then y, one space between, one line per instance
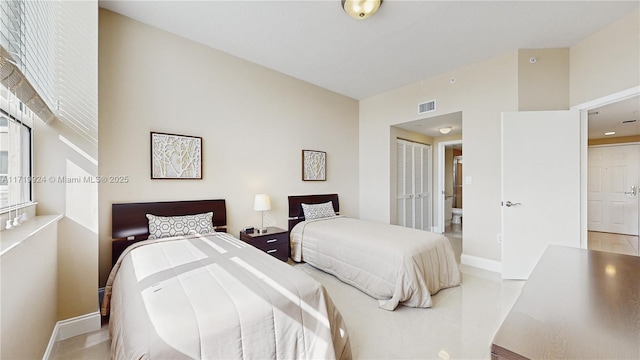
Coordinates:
176 156
314 165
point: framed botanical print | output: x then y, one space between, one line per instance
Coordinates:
176 156
314 165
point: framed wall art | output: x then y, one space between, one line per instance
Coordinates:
314 165
176 156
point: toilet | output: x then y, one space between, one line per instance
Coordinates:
448 206
457 216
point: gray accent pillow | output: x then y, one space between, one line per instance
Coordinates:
167 226
318 211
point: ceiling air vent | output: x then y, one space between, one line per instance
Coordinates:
426 107
628 121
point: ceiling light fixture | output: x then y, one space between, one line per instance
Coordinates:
445 130
361 9
609 133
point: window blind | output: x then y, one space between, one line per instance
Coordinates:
49 57
77 66
27 53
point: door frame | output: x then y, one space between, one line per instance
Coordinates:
584 148
440 190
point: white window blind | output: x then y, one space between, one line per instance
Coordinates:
77 67
48 62
27 53
49 57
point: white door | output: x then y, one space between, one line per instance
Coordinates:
413 195
540 186
613 189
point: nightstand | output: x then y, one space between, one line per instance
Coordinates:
274 242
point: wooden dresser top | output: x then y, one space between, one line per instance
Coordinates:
577 304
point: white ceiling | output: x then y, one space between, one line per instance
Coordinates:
405 42
616 117
431 126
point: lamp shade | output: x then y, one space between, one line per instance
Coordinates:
361 9
262 202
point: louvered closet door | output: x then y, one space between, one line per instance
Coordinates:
413 195
422 198
404 163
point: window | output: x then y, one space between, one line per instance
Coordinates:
15 162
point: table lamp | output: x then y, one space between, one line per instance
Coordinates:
262 203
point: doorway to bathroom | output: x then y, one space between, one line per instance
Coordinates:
451 185
438 131
456 203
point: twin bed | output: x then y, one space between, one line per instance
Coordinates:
181 287
394 264
211 295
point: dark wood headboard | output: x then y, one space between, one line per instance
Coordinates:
129 221
296 214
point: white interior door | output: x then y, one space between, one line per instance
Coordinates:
540 186
613 189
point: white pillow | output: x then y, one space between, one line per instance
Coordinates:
167 226
318 211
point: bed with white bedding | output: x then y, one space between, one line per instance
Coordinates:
213 296
394 264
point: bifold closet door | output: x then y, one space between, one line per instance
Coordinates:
413 195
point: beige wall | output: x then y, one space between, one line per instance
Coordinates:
78 229
602 64
544 84
59 152
28 288
254 122
481 91
606 62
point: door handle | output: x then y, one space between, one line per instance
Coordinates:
633 192
510 204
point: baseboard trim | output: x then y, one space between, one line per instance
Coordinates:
68 328
481 263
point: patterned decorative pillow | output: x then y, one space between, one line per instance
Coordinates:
318 211
167 226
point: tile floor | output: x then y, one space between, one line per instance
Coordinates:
460 325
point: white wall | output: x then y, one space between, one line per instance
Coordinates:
254 122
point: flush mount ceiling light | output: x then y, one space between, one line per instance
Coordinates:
361 9
445 130
609 133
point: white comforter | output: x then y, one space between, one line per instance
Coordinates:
216 297
394 264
